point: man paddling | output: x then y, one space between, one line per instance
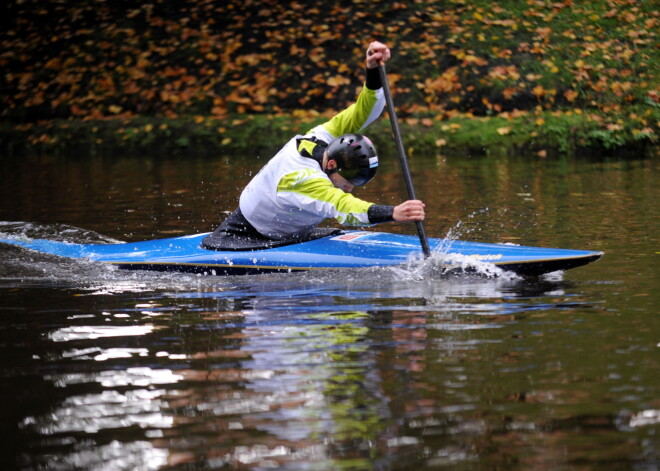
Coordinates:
312 176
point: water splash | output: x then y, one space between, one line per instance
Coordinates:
459 230
56 232
23 267
442 264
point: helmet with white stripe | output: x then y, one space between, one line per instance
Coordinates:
356 158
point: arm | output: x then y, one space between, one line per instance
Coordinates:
369 105
307 191
411 210
367 108
313 193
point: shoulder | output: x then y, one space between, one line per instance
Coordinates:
304 177
321 133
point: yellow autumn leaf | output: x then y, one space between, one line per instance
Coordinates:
538 91
472 59
551 65
338 81
504 130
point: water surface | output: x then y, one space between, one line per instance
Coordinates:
364 369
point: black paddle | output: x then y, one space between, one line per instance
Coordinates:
402 154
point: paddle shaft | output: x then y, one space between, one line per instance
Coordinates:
402 155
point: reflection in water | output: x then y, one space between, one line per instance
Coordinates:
108 410
137 455
142 376
646 417
305 384
282 371
283 379
67 334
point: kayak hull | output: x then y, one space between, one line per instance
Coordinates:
351 249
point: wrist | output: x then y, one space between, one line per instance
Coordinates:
373 79
378 213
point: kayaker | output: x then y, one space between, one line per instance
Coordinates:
312 176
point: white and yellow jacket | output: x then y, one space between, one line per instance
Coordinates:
292 194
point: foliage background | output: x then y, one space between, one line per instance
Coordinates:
184 74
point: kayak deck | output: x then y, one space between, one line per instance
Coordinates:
351 249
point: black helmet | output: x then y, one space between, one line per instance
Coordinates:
356 158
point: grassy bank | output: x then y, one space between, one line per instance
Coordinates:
197 75
537 134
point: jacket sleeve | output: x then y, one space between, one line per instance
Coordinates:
312 193
359 115
367 108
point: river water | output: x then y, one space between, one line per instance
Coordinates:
102 369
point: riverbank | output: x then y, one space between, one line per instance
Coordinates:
539 133
205 77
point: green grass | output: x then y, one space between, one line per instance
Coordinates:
537 133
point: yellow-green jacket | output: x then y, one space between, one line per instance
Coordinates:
292 194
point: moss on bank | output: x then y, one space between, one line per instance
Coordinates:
539 132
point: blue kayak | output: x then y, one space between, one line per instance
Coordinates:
350 249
